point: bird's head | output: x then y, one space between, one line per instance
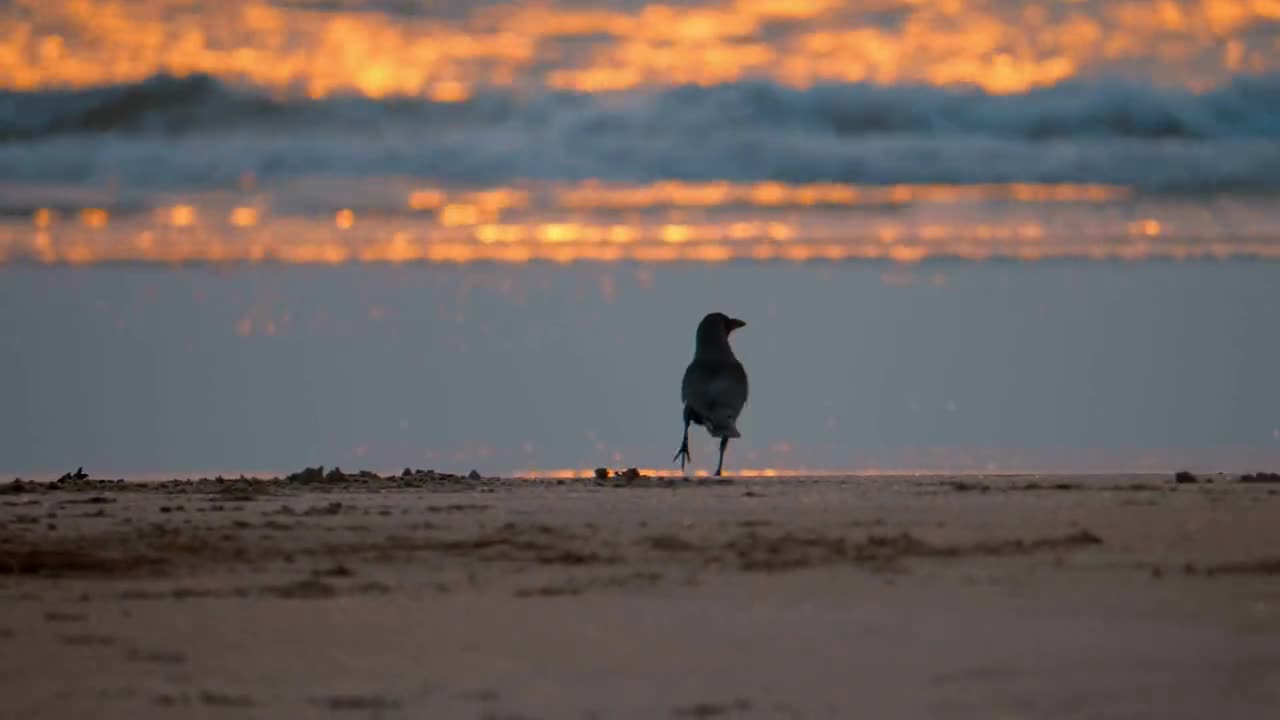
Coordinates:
718 325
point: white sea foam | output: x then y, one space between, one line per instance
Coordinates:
199 131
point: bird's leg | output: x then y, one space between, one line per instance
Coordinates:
683 453
724 443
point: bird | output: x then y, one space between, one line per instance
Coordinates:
714 387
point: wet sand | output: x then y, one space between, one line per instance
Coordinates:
444 596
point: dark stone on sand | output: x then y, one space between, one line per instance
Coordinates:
1182 477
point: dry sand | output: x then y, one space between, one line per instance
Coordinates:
440 596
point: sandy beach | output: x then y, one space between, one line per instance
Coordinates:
429 595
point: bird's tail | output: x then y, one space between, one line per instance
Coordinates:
723 428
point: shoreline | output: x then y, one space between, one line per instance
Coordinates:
331 475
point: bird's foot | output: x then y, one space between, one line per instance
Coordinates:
682 455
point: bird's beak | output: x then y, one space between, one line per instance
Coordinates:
735 323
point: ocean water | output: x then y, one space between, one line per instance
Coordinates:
978 236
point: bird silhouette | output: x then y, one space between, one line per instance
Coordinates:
714 387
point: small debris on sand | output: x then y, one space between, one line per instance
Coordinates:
79 474
307 475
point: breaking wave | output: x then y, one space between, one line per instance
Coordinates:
199 130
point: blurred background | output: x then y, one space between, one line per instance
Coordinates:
974 235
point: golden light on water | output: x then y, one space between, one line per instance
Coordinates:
455 214
450 91
403 246
1003 47
661 222
182 215
94 217
244 217
427 199
676 193
1147 226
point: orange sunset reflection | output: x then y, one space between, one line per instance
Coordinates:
661 222
1001 47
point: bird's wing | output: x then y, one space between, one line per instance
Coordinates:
723 401
728 390
715 390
